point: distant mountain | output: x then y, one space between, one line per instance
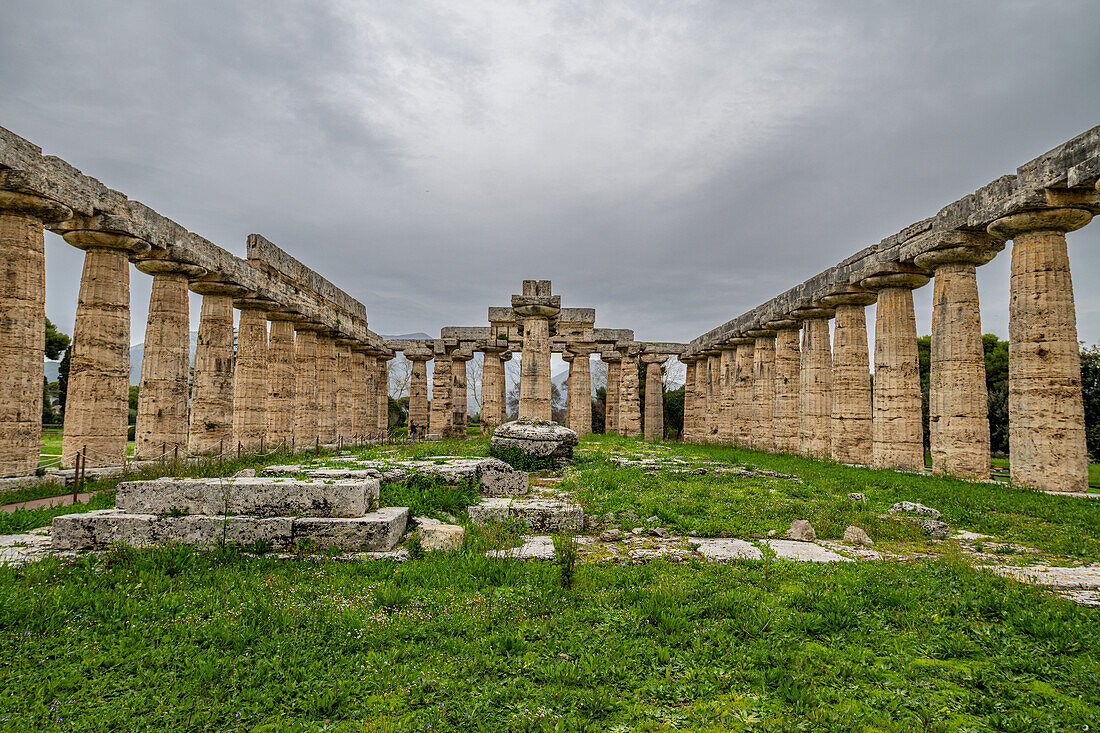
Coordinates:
417 335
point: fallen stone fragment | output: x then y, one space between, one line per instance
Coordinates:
909 507
857 496
725 533
536 438
534 547
497 478
935 528
541 515
652 520
660 532
441 537
611 535
261 497
803 551
801 530
245 473
856 536
378 531
722 550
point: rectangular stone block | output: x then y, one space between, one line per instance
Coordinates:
102 529
541 515
262 496
378 531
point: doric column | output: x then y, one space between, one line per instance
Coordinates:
568 359
763 387
418 387
363 401
250 374
958 404
851 422
280 380
382 412
699 400
689 400
504 357
726 394
613 359
1046 419
630 417
442 416
326 387
492 393
654 397
22 324
459 395
743 412
815 394
306 431
896 428
211 424
345 407
161 427
536 307
713 410
97 403
377 378
786 411
580 389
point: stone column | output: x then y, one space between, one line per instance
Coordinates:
580 389
568 359
1046 419
687 434
536 307
504 357
280 380
442 416
815 394
345 407
382 412
250 374
851 421
654 397
786 411
22 325
630 418
326 388
958 403
611 393
763 387
897 432
492 392
459 395
363 419
211 428
418 388
306 432
725 394
699 431
97 403
743 411
166 362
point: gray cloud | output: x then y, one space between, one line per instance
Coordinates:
672 164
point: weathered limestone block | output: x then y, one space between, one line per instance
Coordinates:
1046 420
442 415
211 427
280 380
540 515
785 400
763 388
630 418
536 438
100 531
379 531
896 427
161 427
326 388
97 406
256 496
851 420
22 325
305 385
815 395
726 394
250 376
418 390
958 405
743 419
441 537
611 399
654 397
497 478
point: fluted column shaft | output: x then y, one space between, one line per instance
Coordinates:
743 413
654 399
611 396
714 395
22 326
689 402
492 406
786 410
326 388
580 394
726 395
418 393
280 382
250 378
382 412
851 421
815 396
568 390
763 389
362 407
162 397
345 408
534 386
442 411
458 396
630 418
211 428
1046 418
305 387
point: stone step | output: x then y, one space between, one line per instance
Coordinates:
540 515
378 531
261 497
494 477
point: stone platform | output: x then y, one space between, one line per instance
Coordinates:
493 476
540 515
261 497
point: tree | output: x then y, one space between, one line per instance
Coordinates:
996 385
1090 389
924 362
599 411
674 413
56 341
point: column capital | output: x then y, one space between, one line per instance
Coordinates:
850 296
281 315
610 356
213 286
462 355
782 324
418 354
653 358
1057 220
161 265
894 275
18 202
956 246
102 231
811 312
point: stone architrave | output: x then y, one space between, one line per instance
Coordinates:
687 433
250 375
305 385
459 393
345 397
815 395
785 398
851 423
22 325
97 404
726 394
161 428
536 307
492 378
763 387
958 403
654 397
1046 418
896 425
326 388
211 421
580 390
418 387
442 411
630 418
280 380
743 410
611 392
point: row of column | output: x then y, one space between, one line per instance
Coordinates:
767 391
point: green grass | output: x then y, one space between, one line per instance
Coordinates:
176 639
51 447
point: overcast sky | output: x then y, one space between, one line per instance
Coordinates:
672 164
